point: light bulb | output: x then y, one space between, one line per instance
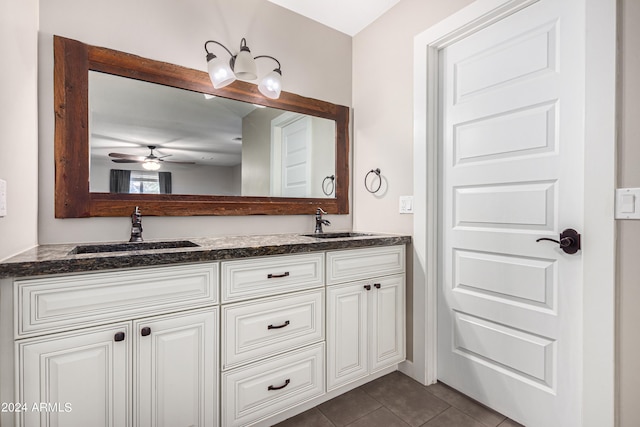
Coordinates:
219 72
271 84
151 165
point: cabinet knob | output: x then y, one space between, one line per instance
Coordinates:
367 287
145 331
377 285
119 336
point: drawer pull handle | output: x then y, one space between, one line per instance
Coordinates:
145 331
377 285
286 322
275 276
367 287
119 336
286 383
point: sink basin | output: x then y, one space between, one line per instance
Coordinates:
124 247
336 235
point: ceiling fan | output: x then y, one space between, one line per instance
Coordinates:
150 162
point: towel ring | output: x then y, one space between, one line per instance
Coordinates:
377 172
332 181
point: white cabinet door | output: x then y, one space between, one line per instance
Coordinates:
176 370
76 379
347 354
365 328
387 322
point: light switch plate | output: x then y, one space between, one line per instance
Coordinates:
628 203
406 204
3 198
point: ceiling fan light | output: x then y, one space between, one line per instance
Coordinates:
151 165
220 72
244 65
271 84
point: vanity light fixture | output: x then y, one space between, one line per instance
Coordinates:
242 66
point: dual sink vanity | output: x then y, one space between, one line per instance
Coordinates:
225 331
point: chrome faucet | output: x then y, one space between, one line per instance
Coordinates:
136 226
319 221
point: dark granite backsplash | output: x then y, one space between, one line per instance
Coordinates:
56 259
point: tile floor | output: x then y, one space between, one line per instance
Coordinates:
396 400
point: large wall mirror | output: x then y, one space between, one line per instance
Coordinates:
134 131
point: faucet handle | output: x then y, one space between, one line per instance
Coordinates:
319 211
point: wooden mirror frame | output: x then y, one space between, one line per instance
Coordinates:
72 62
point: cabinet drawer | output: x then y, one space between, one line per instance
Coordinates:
269 326
260 390
250 278
54 304
358 264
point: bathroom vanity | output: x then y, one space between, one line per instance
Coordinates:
235 331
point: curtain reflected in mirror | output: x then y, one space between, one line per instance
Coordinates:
139 182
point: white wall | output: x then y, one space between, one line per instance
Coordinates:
383 109
315 63
323 154
256 151
383 123
19 124
628 231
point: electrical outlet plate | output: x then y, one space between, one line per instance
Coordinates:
3 198
406 204
628 203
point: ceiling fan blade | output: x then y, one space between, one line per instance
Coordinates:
126 161
178 163
127 156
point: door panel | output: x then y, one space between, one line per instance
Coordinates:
296 151
347 332
509 315
176 370
82 378
387 322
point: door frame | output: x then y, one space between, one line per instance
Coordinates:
599 261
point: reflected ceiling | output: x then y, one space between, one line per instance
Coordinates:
128 115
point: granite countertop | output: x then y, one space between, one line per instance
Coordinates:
56 259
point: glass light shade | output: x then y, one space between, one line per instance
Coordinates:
151 165
220 73
244 66
271 85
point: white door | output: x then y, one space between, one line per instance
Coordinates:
176 370
509 308
296 151
76 379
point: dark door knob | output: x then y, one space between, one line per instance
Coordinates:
569 241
